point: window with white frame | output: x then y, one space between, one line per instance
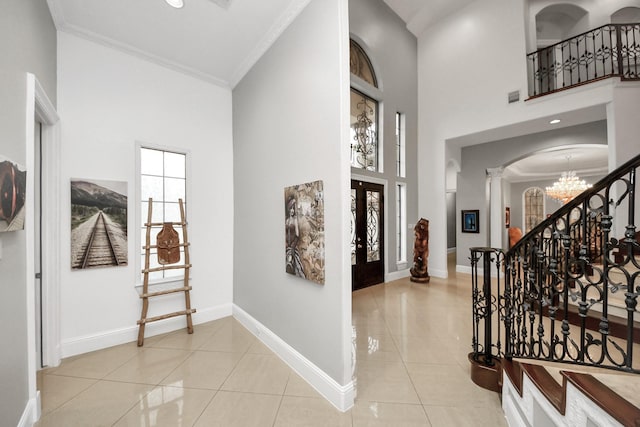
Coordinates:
163 179
401 222
400 141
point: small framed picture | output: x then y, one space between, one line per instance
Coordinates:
507 217
470 222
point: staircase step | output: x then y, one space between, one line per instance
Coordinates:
600 390
543 380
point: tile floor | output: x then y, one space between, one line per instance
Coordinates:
412 370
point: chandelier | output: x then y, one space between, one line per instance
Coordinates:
567 187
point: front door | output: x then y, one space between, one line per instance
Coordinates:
367 234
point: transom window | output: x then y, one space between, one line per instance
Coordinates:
361 65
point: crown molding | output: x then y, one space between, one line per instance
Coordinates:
56 14
141 54
281 24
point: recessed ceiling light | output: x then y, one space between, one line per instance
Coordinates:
554 121
175 3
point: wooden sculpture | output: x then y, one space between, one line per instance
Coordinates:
419 271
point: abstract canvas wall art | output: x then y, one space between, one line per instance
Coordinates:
98 223
13 186
304 231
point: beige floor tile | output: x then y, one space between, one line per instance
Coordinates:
370 323
424 349
310 412
448 385
376 346
232 409
96 364
297 386
57 390
167 407
443 416
102 404
214 325
149 366
183 340
258 373
231 337
259 348
385 382
375 414
204 369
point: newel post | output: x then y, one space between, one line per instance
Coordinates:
485 359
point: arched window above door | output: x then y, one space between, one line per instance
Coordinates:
361 65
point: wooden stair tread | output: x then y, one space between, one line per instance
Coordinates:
543 380
613 403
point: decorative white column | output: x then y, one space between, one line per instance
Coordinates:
495 206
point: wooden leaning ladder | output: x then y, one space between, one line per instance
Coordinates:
145 295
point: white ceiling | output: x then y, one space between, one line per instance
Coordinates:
220 40
586 160
215 40
419 14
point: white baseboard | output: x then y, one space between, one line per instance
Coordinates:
342 397
450 250
31 412
87 343
465 269
441 274
395 275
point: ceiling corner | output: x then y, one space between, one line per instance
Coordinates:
56 14
278 27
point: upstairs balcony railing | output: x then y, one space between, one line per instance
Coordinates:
568 290
612 50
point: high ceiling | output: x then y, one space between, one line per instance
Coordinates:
220 40
419 14
215 40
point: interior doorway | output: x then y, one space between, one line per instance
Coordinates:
37 245
367 234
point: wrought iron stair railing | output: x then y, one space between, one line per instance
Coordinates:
612 50
564 290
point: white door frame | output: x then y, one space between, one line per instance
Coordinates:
40 108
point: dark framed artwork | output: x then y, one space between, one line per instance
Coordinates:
98 223
470 222
13 186
507 217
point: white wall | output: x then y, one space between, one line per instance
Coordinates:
467 63
27 43
108 101
290 115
